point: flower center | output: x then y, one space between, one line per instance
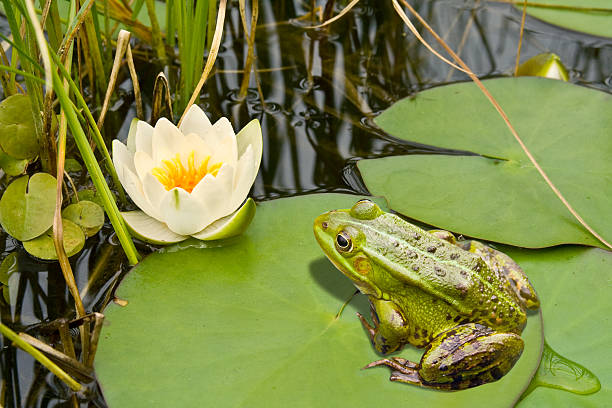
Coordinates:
173 174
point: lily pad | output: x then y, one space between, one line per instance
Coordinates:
43 247
574 285
26 209
579 19
254 324
17 134
12 166
87 215
502 197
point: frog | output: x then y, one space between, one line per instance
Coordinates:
464 302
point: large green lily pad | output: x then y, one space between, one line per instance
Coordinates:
579 19
566 127
254 324
26 208
574 286
17 134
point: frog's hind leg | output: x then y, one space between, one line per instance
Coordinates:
462 357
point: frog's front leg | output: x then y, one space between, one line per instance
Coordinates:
390 329
462 357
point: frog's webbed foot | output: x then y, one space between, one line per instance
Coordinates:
404 370
369 329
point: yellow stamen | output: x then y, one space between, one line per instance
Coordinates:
174 174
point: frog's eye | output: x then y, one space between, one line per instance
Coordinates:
366 210
343 242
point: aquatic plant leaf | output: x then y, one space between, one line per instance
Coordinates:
17 134
26 209
12 166
590 22
502 197
573 284
254 324
43 247
7 268
87 215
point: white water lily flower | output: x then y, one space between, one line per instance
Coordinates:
190 180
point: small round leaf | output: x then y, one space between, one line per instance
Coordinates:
87 215
26 210
11 165
17 134
43 247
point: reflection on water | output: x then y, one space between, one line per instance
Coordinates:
320 90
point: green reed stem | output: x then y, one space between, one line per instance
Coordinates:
95 172
40 357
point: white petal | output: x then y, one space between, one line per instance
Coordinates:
144 138
183 213
225 151
122 157
197 144
167 141
243 178
133 187
143 163
131 139
149 229
216 192
250 135
154 191
195 121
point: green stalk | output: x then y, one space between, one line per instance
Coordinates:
95 173
158 43
22 73
40 357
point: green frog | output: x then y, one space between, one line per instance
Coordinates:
462 300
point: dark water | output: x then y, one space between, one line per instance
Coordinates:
320 90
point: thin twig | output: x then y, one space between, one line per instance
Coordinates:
212 56
520 43
342 13
123 40
248 65
503 115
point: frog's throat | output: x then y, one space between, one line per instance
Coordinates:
363 286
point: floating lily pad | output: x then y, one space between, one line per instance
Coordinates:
254 324
43 247
579 19
17 134
26 210
12 166
87 215
502 198
574 285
